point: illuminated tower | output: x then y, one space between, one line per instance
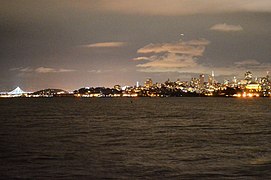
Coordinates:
213 77
137 84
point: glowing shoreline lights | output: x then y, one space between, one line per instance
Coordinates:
251 90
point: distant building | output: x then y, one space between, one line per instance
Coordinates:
248 77
148 83
137 84
253 87
194 83
117 87
201 81
213 77
210 80
226 82
234 80
267 75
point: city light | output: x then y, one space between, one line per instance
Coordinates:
243 88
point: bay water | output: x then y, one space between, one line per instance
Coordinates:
135 138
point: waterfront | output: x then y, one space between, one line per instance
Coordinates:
135 138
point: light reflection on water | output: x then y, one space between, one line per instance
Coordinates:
176 138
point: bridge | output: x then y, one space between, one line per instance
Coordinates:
17 92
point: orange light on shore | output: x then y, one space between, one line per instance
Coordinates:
244 95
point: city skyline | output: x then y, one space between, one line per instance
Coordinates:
68 44
248 86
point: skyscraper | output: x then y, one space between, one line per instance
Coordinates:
201 80
148 83
211 78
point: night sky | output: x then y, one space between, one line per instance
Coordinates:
70 44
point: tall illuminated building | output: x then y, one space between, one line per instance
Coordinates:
137 84
148 83
213 77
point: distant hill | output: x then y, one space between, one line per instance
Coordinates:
50 92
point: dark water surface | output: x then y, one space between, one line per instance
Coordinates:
142 138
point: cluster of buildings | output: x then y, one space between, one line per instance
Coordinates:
248 86
201 86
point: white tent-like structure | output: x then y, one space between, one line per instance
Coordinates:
17 91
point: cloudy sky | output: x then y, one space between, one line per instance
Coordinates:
75 43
